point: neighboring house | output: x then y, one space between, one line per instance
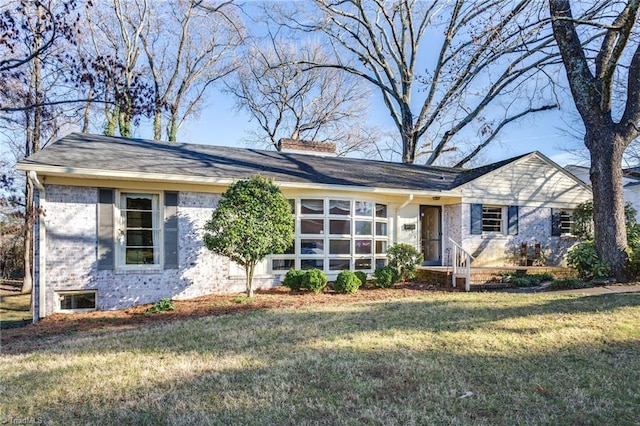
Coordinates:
122 219
630 183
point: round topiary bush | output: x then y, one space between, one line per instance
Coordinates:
314 280
385 277
362 276
293 279
347 282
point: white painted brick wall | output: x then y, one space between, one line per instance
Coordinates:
534 226
72 255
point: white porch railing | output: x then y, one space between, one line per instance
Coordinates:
461 265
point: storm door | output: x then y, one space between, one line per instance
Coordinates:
430 220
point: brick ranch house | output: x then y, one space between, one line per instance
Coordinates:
122 220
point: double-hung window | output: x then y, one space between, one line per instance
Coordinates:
492 219
562 222
140 229
487 219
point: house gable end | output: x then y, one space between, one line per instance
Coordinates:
530 180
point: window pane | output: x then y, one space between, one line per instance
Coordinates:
363 264
341 207
363 247
312 206
364 208
491 219
339 264
291 249
311 263
312 226
283 264
381 228
140 238
312 246
339 227
139 202
363 227
78 301
141 222
138 219
381 210
139 256
566 222
381 262
340 247
381 247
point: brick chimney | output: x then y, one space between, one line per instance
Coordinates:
307 147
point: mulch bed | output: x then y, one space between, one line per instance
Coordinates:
31 336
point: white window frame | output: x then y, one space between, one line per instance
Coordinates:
563 216
502 219
327 237
61 294
120 246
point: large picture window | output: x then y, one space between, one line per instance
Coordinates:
140 229
336 234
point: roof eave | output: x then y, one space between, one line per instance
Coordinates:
81 173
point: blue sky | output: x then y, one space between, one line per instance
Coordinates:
221 124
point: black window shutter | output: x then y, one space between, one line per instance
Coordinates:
106 239
555 222
476 219
170 230
512 220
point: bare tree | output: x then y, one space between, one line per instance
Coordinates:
608 131
476 54
111 67
289 100
188 47
34 37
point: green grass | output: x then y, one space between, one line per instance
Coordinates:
443 358
15 310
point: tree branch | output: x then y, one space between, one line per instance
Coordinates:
495 132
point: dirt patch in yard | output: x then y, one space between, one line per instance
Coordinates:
31 336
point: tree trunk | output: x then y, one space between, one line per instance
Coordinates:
249 270
409 144
112 120
87 112
608 205
173 129
124 122
157 122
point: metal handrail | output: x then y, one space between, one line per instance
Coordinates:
461 265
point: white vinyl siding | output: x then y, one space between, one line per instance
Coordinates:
528 181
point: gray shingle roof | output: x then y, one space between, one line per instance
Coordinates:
97 152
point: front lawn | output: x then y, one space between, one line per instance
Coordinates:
435 358
15 309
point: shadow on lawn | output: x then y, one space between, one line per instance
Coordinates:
287 376
431 314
